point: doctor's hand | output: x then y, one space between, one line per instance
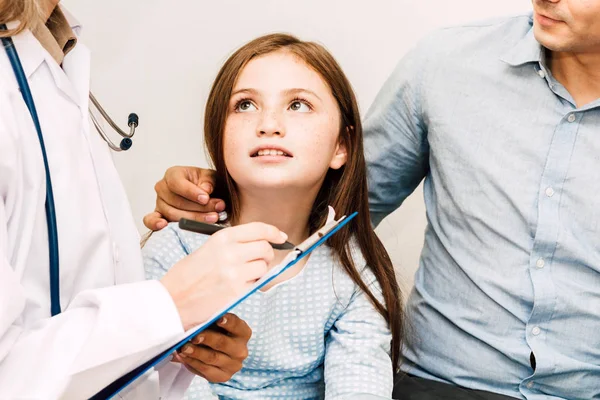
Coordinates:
184 192
217 353
223 268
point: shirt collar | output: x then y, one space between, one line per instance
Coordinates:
527 50
57 35
32 54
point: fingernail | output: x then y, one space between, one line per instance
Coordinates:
188 350
161 224
223 321
211 218
283 235
207 187
203 199
198 340
220 206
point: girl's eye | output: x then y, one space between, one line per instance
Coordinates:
245 106
299 106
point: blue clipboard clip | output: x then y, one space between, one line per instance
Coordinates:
302 250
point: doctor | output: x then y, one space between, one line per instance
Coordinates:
111 319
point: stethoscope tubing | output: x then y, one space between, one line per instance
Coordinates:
50 208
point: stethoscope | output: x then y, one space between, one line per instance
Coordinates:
132 122
125 144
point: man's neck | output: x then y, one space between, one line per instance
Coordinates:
579 73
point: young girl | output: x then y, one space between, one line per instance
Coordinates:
283 130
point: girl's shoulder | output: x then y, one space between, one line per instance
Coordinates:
360 263
174 238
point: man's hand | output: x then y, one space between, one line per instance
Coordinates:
184 192
217 354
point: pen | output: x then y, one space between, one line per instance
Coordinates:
209 229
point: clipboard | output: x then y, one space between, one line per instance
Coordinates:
301 251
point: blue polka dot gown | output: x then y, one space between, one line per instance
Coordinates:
315 336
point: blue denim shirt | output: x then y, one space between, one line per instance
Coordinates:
511 259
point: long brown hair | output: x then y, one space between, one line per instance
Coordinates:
27 12
345 189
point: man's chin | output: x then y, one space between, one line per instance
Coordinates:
550 40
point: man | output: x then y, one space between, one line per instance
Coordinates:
502 120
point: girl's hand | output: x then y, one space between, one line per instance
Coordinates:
218 353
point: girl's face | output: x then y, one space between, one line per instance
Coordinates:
282 126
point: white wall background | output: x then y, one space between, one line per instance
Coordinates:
158 58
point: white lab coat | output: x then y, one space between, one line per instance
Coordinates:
104 330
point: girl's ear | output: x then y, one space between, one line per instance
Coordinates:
341 153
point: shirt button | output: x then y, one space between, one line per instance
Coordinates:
541 73
536 330
540 263
571 118
530 384
549 192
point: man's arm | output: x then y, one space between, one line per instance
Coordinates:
395 132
